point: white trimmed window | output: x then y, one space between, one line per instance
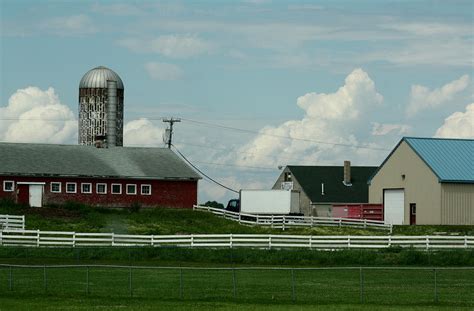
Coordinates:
146 190
131 189
71 187
101 188
55 187
86 188
8 185
116 189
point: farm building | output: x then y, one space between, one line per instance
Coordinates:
42 174
427 181
321 187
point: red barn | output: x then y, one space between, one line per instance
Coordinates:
42 174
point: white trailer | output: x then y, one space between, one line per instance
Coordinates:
269 202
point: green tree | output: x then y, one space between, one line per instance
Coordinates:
214 204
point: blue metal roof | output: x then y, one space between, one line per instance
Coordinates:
452 160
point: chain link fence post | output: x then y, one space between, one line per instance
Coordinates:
45 280
180 283
293 293
87 280
234 284
130 285
361 285
10 279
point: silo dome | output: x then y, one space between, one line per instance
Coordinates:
101 95
97 78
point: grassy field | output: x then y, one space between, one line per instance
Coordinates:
140 304
80 218
334 286
236 257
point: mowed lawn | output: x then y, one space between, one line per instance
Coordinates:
247 285
140 304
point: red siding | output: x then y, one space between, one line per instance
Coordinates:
164 193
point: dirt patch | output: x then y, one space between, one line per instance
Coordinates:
53 212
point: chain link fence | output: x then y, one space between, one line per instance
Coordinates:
377 285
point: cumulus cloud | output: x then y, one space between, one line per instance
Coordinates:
142 132
458 125
422 98
163 71
37 116
382 129
74 25
173 46
334 118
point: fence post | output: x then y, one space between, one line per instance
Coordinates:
269 241
192 240
240 218
180 283
1 237
87 280
23 222
427 242
435 286
230 240
361 286
112 239
310 242
465 240
365 223
312 221
272 221
37 238
284 220
234 284
293 294
10 279
45 281
130 281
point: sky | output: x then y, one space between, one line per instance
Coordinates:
257 84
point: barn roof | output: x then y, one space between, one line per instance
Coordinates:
451 160
88 161
311 177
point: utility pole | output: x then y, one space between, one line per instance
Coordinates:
171 122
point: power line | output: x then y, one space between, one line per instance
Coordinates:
282 136
204 174
233 165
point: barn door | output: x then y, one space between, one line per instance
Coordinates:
23 196
36 195
412 214
394 206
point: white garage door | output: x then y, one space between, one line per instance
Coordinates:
394 205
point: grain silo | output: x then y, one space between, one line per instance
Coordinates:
101 108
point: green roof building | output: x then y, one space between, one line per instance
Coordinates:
322 186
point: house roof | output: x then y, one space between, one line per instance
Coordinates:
311 177
451 160
89 161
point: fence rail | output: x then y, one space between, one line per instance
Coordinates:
37 238
12 222
408 285
287 221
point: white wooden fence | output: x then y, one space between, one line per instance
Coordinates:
287 221
11 222
37 238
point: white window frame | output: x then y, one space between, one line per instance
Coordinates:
55 183
126 189
112 188
9 181
141 189
97 188
75 187
90 187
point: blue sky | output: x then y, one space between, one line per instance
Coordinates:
357 73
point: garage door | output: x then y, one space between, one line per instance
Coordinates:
394 203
